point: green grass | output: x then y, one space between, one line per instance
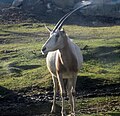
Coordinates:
102 58
22 64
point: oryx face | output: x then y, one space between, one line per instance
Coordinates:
55 41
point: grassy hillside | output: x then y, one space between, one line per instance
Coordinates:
22 65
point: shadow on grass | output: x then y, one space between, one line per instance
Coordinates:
110 54
28 67
13 68
26 34
114 114
13 103
88 87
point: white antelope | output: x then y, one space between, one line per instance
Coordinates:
64 59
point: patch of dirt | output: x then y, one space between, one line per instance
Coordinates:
30 101
14 15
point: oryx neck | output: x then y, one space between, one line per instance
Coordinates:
68 58
67 52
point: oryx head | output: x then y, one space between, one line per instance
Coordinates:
56 39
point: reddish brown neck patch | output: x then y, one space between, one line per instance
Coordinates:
66 60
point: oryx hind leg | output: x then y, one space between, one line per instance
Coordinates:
71 94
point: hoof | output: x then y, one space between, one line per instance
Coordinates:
63 114
53 109
72 114
52 112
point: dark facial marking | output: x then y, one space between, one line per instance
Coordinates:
57 36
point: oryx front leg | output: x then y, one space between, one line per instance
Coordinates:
62 90
55 92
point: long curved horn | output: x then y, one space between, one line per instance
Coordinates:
61 21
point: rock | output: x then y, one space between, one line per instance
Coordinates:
66 3
33 6
107 8
17 3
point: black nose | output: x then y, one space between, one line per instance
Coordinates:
43 49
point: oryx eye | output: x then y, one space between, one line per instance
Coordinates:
57 35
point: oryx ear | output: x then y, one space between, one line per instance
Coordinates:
50 30
63 30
